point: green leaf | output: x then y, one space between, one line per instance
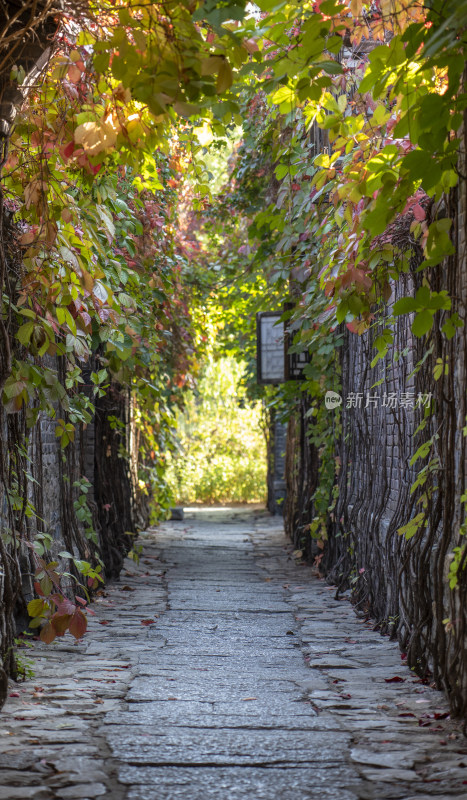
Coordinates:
404 306
422 452
422 323
25 332
413 526
450 326
224 77
281 171
286 98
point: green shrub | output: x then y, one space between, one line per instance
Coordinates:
221 455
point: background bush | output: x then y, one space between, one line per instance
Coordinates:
221 454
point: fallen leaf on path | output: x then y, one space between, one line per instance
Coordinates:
147 621
126 589
103 622
395 679
249 698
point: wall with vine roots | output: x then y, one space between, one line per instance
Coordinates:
57 497
78 501
394 532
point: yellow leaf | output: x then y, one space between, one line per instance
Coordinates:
356 7
94 137
89 136
36 607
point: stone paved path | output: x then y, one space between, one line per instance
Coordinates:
219 669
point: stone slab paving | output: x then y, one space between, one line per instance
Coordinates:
219 668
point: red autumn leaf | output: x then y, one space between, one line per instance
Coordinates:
419 212
38 589
104 622
78 624
68 150
57 598
65 607
147 621
395 679
60 623
48 633
74 74
80 600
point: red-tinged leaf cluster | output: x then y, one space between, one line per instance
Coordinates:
53 612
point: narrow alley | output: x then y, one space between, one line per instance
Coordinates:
219 668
